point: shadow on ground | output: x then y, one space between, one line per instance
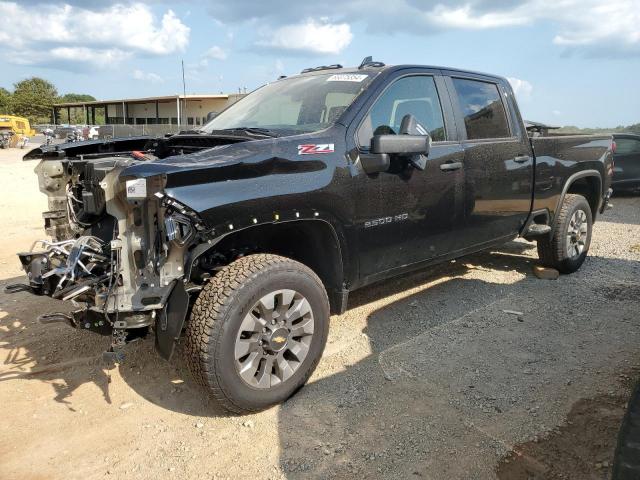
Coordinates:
584 445
440 396
377 417
67 358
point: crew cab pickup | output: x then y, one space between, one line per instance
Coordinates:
241 238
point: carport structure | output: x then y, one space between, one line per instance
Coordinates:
180 110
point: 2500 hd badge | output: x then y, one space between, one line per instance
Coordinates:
385 220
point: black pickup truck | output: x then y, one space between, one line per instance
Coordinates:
244 236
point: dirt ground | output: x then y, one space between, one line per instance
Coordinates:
429 376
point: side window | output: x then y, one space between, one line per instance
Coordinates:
627 146
415 95
482 107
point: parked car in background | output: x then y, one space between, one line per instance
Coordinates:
75 135
93 133
61 131
626 172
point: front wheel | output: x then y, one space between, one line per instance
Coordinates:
257 331
566 247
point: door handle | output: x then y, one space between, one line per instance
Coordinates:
449 166
522 159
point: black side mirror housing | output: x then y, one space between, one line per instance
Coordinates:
211 116
413 142
373 163
400 144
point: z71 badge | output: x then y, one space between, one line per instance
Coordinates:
313 148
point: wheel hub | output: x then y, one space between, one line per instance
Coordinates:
577 234
277 339
274 338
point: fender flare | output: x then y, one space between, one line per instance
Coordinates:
567 185
204 247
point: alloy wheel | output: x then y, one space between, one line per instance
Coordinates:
577 234
274 339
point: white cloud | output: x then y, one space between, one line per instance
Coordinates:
81 35
147 76
615 24
521 88
590 26
593 27
465 18
67 57
216 53
309 36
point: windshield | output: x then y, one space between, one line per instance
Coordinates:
293 105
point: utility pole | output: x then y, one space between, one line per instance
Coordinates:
184 96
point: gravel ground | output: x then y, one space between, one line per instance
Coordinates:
427 376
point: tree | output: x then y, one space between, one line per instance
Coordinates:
5 101
77 97
77 114
34 98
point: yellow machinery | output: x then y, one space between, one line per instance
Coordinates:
14 130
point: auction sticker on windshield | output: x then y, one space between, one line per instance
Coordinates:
312 148
346 77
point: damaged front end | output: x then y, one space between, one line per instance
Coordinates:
117 250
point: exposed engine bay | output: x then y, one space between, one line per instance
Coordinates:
118 247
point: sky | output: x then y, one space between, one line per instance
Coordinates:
571 62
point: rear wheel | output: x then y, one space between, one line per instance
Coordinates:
257 331
566 247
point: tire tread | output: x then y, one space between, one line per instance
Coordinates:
206 324
551 249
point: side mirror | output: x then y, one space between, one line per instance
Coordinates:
413 142
400 144
373 163
211 116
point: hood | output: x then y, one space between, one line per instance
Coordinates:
248 159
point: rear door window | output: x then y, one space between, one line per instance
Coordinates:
482 108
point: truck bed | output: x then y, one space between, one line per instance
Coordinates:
560 157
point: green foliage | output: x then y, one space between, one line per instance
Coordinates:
77 113
76 97
635 128
5 101
34 98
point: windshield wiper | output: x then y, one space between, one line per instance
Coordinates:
265 132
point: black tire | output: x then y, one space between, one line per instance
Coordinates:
552 249
217 316
626 465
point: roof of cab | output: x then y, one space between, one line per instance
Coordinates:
391 68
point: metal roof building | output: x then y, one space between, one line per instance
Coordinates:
180 110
